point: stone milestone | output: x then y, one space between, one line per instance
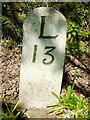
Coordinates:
44 40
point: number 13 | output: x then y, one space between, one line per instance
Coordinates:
51 48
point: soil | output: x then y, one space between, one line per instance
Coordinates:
10 61
10 64
82 78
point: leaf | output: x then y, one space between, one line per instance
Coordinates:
17 114
74 34
60 100
51 111
54 105
69 91
8 109
69 36
74 78
15 107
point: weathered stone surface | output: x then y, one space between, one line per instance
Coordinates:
14 86
42 60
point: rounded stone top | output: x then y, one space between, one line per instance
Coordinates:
45 11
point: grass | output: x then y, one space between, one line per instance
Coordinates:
13 112
10 113
71 105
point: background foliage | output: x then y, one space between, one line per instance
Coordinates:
77 15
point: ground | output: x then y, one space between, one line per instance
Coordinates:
10 59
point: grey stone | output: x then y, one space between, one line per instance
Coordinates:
42 60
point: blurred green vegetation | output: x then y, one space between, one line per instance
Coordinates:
77 16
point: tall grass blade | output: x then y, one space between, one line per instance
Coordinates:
60 100
15 106
8 109
17 114
74 78
69 92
